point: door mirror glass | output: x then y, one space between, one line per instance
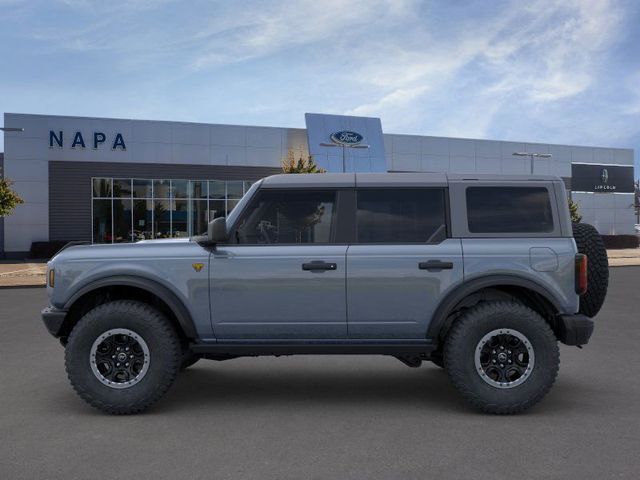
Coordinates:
217 230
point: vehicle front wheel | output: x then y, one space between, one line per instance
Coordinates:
122 356
502 356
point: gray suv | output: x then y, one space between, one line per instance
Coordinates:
481 275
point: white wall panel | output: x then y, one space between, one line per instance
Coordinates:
515 165
405 162
489 165
434 146
191 134
406 144
264 137
434 163
230 155
462 147
488 149
462 164
229 135
508 148
623 156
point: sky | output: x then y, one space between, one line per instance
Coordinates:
565 71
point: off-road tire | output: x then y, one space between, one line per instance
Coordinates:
464 338
589 242
188 359
165 356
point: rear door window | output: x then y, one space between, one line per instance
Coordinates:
401 215
509 210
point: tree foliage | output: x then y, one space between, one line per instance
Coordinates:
573 211
8 198
301 165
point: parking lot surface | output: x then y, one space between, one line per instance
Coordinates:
322 417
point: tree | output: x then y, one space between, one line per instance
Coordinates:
302 165
573 211
8 198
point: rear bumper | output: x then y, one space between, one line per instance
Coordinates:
574 329
53 319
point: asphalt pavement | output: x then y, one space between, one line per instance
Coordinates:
322 417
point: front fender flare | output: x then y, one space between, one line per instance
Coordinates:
167 296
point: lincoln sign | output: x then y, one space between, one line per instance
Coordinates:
601 178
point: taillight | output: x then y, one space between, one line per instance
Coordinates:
581 274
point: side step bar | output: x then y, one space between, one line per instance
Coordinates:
411 349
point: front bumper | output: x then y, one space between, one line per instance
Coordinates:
53 319
574 329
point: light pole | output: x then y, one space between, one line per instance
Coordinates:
344 150
531 156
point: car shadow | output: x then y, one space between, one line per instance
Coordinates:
213 385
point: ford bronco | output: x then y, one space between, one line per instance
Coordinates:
482 275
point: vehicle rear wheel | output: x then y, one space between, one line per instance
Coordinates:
122 356
589 242
502 356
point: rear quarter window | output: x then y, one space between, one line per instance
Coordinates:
509 210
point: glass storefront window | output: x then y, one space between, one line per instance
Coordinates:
122 187
102 187
161 188
217 189
231 204
122 231
102 221
180 218
179 188
161 219
142 220
142 188
199 217
217 208
128 210
198 189
234 189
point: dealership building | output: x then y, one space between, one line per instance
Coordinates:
116 180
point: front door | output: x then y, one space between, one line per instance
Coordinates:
401 263
282 276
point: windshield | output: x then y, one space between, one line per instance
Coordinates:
233 216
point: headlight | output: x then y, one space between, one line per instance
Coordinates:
52 277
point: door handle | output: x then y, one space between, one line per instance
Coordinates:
435 265
319 266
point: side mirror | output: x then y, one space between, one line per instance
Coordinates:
217 230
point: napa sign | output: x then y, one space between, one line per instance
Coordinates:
96 140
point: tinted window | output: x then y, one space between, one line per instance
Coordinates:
285 217
401 215
509 210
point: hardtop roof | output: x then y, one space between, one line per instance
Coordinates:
392 179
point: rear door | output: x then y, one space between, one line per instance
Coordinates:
401 262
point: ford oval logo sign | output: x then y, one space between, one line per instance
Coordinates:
346 137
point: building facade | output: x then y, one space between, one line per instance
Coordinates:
115 180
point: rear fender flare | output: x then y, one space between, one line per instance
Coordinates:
446 306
